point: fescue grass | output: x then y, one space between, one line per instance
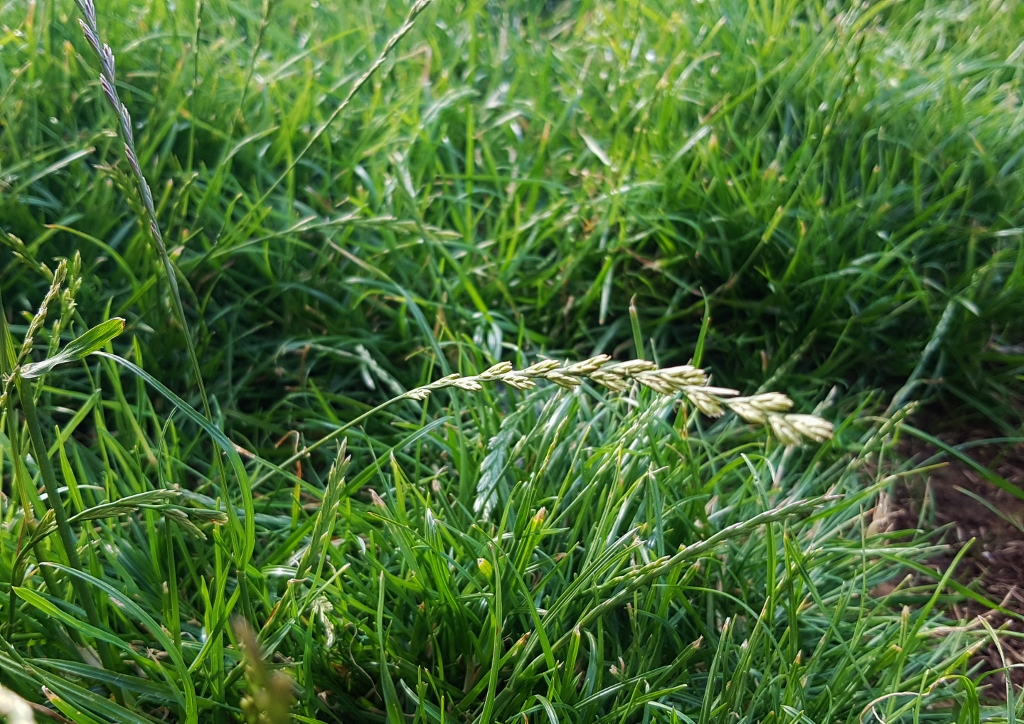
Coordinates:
830 180
631 564
808 197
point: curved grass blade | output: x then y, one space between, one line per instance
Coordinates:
48 609
93 340
243 549
134 611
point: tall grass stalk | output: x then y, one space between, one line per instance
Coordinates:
108 79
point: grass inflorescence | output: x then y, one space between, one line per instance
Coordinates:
335 468
766 408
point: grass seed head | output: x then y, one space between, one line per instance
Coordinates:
684 375
518 381
633 367
468 383
656 383
707 403
539 369
563 380
748 411
496 371
761 409
586 367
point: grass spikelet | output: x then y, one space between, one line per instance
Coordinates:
39 318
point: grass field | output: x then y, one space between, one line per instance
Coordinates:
825 199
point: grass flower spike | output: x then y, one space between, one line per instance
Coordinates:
767 409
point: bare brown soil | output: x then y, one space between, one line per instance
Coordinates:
941 500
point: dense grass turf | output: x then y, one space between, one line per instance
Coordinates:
831 180
834 187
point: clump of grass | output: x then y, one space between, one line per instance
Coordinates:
568 551
629 571
631 564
